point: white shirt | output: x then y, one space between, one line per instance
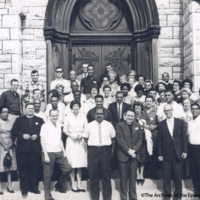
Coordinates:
62 81
41 115
70 97
52 136
92 133
194 131
119 108
61 109
107 102
178 111
170 125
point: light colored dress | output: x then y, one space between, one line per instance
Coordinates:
76 150
5 134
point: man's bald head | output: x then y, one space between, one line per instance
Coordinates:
168 110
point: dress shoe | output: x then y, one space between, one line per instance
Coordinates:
75 190
81 190
61 190
1 193
11 191
35 191
24 194
51 199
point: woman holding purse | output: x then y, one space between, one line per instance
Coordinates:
6 147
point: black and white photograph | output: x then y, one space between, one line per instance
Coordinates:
99 99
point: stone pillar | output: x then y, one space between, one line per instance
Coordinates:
191 22
10 44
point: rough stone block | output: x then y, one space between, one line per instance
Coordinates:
16 34
16 64
35 23
166 32
38 34
174 20
2 5
3 11
163 23
11 47
27 37
162 3
197 68
176 5
31 46
177 32
4 34
162 17
36 13
5 67
196 52
177 76
34 3
169 43
195 7
5 58
11 21
196 21
41 54
177 69
169 62
28 31
170 11
177 52
35 63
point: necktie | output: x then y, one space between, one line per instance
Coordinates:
100 139
119 112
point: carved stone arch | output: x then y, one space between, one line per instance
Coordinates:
141 17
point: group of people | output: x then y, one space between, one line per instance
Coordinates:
100 123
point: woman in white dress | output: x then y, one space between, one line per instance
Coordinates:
76 148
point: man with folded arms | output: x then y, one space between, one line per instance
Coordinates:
53 152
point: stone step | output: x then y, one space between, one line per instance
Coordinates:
150 190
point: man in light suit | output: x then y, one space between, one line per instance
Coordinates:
129 140
118 108
172 149
27 129
85 73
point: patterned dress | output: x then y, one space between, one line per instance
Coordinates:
5 134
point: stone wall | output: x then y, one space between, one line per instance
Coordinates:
170 42
23 48
191 22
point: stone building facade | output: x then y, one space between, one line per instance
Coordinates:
23 46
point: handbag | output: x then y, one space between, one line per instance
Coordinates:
7 161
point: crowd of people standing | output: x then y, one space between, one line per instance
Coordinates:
122 122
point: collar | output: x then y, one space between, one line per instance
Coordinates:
32 83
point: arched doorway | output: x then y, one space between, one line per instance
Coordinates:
121 32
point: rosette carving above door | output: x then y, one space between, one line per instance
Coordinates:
100 14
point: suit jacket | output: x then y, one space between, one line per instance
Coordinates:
127 140
22 126
91 115
166 144
113 109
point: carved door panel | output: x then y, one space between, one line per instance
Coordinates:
118 55
99 55
90 54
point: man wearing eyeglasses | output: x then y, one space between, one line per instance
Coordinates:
194 148
61 81
172 149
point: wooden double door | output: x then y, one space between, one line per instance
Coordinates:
98 55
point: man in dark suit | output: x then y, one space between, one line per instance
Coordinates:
27 129
99 105
129 140
172 149
118 108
